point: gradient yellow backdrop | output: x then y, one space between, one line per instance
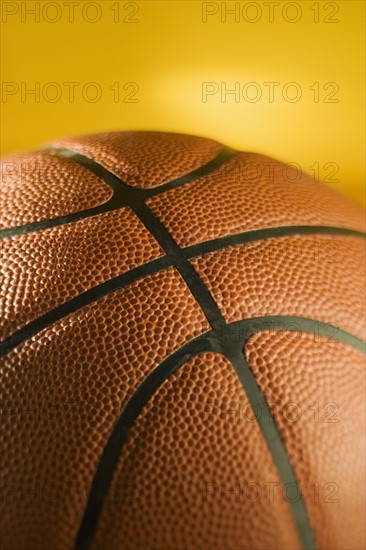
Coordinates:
150 63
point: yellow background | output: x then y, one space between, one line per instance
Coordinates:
169 53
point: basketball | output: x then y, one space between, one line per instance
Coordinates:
182 356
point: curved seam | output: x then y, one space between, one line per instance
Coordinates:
116 201
297 323
275 445
135 200
110 455
118 282
207 342
200 249
113 203
91 295
139 272
224 156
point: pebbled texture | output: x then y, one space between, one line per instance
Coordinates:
45 269
40 186
251 192
64 387
316 388
145 159
321 277
62 391
191 443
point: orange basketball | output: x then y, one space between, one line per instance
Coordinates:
182 350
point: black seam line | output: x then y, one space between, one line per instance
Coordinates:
117 200
93 294
225 155
81 300
213 245
112 204
275 445
135 201
195 284
231 336
243 330
111 452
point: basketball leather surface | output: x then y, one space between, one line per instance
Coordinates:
182 360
